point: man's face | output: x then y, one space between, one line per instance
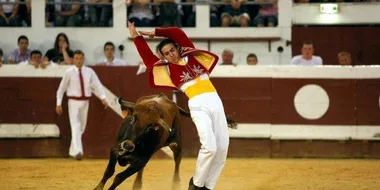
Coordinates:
36 58
227 57
78 60
252 61
307 51
109 51
23 44
344 60
171 53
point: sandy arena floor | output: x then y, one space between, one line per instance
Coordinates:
241 174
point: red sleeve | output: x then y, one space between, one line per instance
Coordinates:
175 34
145 52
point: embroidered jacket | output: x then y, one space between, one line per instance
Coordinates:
169 75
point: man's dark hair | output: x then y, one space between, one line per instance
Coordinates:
22 37
252 55
307 43
108 44
78 52
166 42
1 52
35 52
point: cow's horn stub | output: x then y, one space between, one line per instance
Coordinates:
164 125
126 104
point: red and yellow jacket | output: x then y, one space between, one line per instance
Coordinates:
172 75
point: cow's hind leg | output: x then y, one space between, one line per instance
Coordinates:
137 185
119 178
110 170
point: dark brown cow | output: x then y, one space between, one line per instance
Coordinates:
151 123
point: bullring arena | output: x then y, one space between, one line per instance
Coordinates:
299 128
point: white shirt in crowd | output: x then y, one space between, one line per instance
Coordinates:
51 63
115 62
315 60
71 84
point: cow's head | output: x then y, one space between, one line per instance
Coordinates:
141 119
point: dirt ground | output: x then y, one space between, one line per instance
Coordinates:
242 174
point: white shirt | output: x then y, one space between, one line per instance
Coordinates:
298 60
115 62
8 8
71 84
51 63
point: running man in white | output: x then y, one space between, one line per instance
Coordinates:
77 83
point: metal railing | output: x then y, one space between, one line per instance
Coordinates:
110 3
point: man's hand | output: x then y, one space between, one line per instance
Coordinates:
150 34
132 29
105 103
59 110
44 64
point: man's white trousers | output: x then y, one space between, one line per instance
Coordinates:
78 110
207 112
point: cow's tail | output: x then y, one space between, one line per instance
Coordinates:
231 123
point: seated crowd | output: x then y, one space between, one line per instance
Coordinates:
152 13
61 54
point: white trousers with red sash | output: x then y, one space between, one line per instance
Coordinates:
78 110
207 112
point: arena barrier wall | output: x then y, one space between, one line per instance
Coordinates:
282 111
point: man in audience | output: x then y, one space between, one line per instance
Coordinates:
344 58
100 15
110 59
22 53
36 60
70 13
227 57
252 59
307 57
235 14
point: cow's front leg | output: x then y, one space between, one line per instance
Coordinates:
110 170
132 169
137 185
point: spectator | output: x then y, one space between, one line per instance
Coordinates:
168 15
61 53
24 12
49 14
100 15
344 58
140 12
70 13
252 59
227 57
268 14
1 57
9 13
188 18
35 60
110 59
235 14
307 57
22 53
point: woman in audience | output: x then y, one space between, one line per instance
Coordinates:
61 53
